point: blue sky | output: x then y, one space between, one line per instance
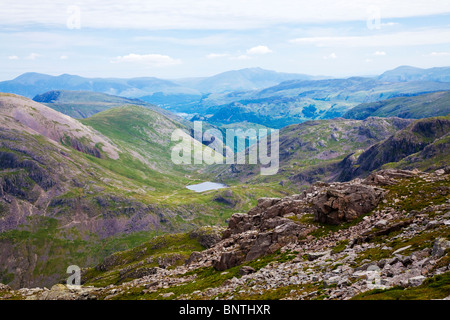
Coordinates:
180 38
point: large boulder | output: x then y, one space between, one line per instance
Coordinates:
229 260
344 203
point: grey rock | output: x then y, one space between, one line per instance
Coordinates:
316 255
246 270
229 260
194 257
330 281
381 224
416 281
4 287
439 247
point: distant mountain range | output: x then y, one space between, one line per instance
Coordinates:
32 84
251 95
407 73
301 100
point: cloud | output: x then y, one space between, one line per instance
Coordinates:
13 58
259 50
379 53
389 24
410 38
156 60
32 56
214 14
240 57
63 57
217 55
331 56
439 54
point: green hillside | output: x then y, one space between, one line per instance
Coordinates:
414 107
72 192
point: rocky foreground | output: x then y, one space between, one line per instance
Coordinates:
387 236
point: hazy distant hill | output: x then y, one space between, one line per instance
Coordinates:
296 101
408 73
414 107
31 84
242 80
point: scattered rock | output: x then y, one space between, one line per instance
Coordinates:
246 270
400 250
316 255
439 247
381 224
4 287
416 281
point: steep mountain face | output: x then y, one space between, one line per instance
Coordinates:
407 73
414 107
34 118
70 193
281 249
408 141
297 101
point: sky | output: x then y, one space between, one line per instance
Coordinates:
180 38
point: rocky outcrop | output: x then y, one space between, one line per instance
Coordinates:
392 247
344 203
263 230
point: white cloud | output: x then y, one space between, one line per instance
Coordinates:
212 14
389 24
379 53
411 38
259 50
13 58
217 55
240 57
331 56
63 57
32 56
156 60
439 54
